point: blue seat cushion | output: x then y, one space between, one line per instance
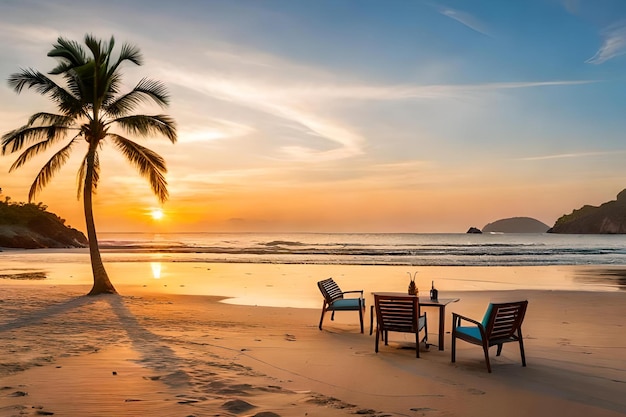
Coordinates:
471 331
345 304
487 315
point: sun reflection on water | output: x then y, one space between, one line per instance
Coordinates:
156 269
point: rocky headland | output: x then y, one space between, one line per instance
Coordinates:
608 218
31 226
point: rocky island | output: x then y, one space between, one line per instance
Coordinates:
31 226
516 225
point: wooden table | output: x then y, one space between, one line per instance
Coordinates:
440 303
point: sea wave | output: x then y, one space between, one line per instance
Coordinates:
384 249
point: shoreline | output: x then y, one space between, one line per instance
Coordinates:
295 285
180 354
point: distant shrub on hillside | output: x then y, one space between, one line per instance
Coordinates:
28 225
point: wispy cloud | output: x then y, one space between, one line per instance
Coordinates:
567 156
28 34
287 103
302 104
213 129
465 19
614 44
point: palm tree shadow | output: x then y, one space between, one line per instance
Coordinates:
47 313
154 353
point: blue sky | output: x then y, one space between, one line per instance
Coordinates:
348 115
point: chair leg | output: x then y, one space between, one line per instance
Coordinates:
499 349
486 350
332 316
453 347
323 312
417 343
361 315
377 337
521 347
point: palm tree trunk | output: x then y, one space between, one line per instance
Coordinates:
101 282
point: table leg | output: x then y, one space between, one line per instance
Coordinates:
442 322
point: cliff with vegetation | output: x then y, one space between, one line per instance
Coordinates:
31 226
608 218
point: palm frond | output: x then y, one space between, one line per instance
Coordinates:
80 178
82 174
50 119
110 95
28 78
144 92
130 53
15 140
95 178
74 84
143 125
70 53
97 48
155 90
149 164
35 150
109 51
49 169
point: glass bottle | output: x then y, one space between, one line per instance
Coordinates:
434 294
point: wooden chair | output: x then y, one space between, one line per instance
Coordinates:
334 300
399 314
501 324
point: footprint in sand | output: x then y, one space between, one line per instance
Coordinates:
564 342
423 409
237 406
475 391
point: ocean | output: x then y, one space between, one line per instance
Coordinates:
409 249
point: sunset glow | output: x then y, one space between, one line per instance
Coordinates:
360 117
157 214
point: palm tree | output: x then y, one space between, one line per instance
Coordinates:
91 108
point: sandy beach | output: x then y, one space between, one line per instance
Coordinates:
147 352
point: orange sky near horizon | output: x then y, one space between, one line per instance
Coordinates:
348 206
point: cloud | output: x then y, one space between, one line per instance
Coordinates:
28 34
280 102
303 96
213 129
465 19
567 156
614 44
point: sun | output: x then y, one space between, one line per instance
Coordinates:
157 214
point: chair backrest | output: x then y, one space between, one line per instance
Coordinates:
396 313
502 320
330 290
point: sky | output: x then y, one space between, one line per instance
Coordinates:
344 115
